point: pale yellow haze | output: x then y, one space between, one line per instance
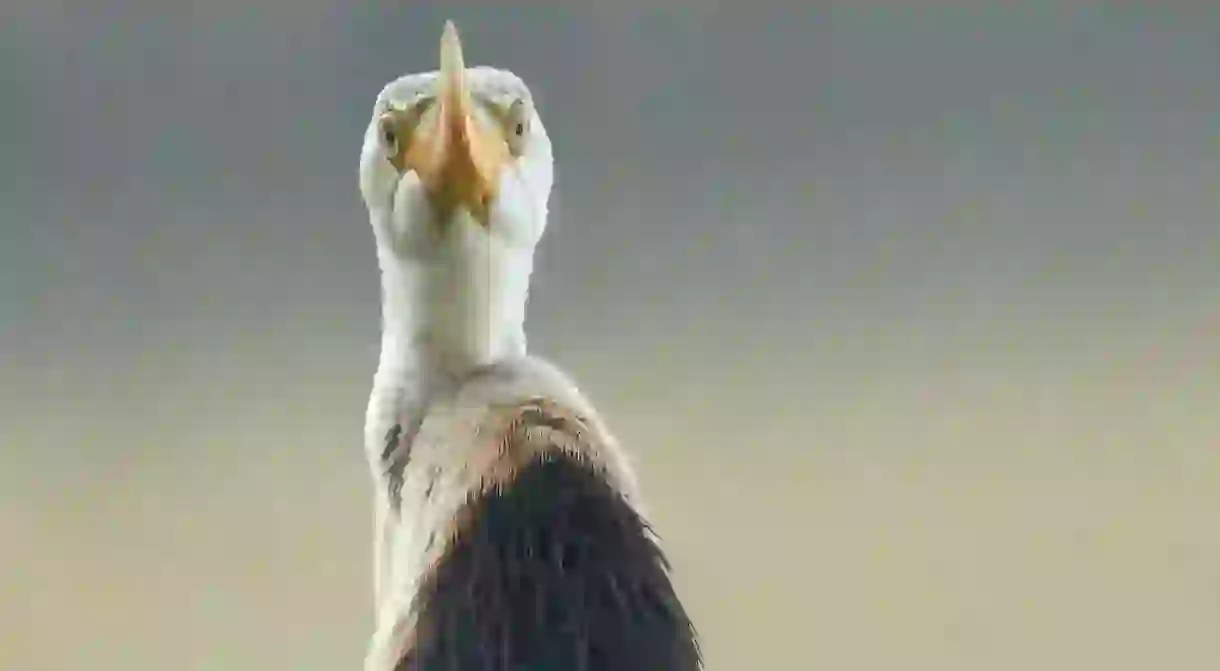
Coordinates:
456 155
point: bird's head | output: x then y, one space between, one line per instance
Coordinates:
458 143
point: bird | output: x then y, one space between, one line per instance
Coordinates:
510 531
456 173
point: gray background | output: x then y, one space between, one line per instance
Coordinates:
911 315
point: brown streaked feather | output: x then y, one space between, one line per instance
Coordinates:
521 434
546 565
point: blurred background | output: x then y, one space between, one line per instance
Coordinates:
910 310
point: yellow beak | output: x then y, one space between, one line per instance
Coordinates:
457 157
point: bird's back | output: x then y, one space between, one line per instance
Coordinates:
548 567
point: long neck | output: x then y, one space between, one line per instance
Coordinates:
457 311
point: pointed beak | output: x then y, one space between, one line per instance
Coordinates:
457 154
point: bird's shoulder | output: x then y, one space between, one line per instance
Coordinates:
548 564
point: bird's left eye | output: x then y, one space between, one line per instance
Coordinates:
518 123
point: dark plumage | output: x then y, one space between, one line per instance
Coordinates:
553 571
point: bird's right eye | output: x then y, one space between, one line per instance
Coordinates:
396 126
388 132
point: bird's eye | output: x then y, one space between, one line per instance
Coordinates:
396 127
518 119
389 135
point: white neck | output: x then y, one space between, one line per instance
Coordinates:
456 307
461 308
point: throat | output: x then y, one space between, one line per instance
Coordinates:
442 321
